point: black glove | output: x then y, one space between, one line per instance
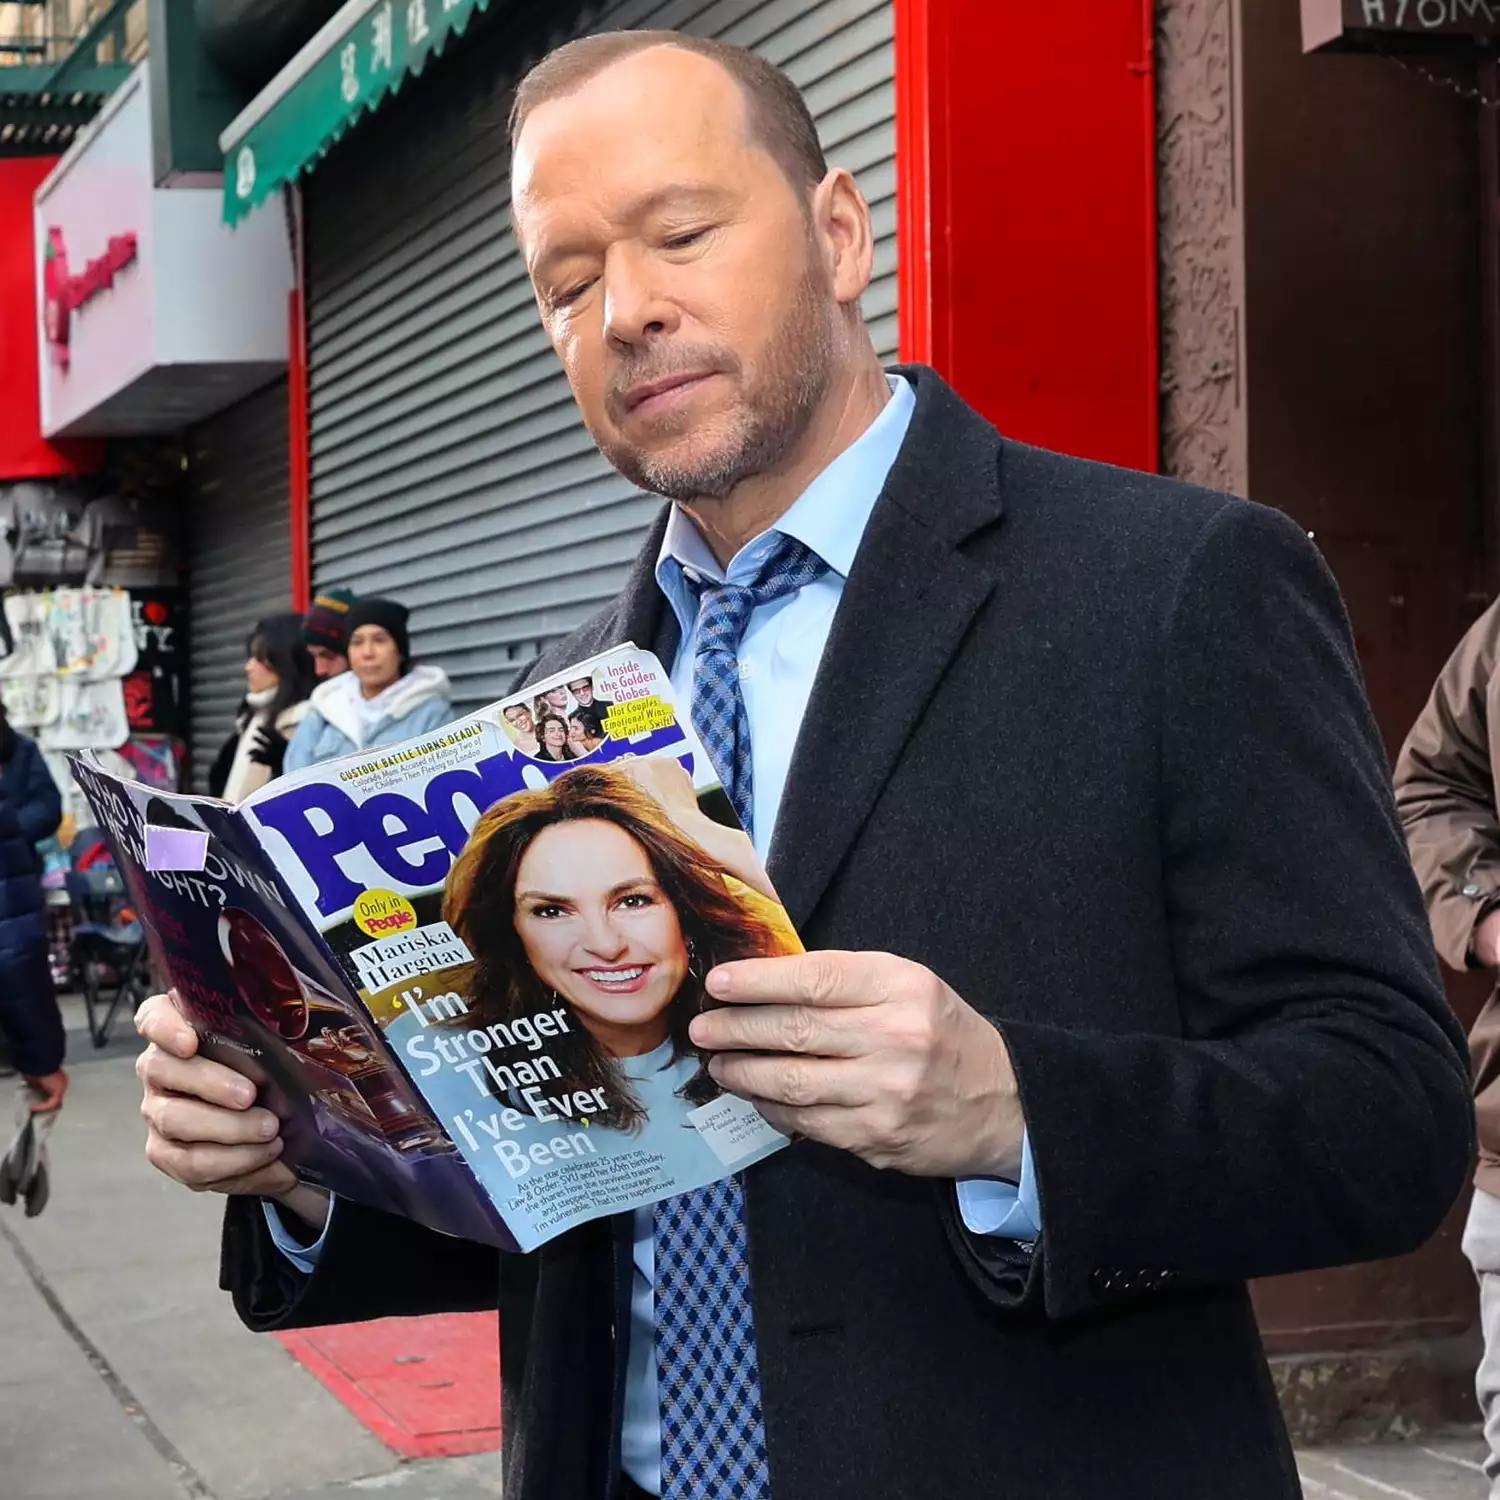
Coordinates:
267 748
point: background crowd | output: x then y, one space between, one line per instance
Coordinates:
333 681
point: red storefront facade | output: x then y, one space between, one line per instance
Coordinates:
1167 237
24 452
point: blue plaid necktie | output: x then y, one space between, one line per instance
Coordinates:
713 1435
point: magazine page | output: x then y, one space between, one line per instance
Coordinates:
527 902
268 1001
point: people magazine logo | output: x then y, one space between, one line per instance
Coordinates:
380 913
64 293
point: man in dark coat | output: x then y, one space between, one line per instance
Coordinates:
1121 993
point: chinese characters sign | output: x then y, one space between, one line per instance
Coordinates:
272 142
1394 24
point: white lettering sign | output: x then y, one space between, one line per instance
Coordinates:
1476 16
382 38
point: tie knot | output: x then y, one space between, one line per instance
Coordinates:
724 609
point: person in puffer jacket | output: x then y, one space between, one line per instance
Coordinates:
29 1016
382 699
29 785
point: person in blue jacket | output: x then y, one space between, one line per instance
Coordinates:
382 699
30 810
29 786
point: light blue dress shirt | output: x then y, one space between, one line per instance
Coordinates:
779 656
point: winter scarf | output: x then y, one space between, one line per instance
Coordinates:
246 775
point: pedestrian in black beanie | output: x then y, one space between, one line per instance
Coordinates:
381 699
386 615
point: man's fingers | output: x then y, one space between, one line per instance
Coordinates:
817 1031
816 979
195 1077
159 1021
205 1167
269 1182
204 1131
798 1082
829 1125
190 1122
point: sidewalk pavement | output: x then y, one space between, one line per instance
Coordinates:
124 1374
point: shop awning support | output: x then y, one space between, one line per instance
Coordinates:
83 59
356 61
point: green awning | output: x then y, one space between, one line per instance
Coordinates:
363 54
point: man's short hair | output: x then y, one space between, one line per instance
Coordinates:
779 119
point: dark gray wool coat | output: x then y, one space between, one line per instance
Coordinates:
1114 778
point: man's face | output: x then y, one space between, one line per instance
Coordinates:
328 663
583 692
677 274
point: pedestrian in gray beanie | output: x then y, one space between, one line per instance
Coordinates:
382 699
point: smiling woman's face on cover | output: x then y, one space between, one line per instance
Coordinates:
600 931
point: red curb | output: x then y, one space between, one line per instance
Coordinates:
426 1387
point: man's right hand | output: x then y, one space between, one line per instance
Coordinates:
202 1127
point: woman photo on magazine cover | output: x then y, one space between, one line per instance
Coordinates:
591 896
521 727
553 701
582 737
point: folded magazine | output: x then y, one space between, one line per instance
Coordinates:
461 969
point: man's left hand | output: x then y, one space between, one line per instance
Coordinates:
870 1053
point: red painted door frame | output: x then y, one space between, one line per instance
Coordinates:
1026 181
1026 171
300 517
298 418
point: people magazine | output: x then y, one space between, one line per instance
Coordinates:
461 970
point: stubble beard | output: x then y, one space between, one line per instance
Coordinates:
777 408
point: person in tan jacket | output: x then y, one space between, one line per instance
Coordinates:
1445 792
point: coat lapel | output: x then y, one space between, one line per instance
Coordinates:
908 602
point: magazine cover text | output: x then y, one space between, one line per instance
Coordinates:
527 903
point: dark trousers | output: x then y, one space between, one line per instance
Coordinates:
630 1490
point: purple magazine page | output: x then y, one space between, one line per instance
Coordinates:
268 1000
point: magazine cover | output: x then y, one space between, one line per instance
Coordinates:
524 905
267 1000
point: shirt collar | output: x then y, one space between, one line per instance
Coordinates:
829 517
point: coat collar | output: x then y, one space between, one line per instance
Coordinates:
910 597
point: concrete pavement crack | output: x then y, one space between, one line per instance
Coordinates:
188 1478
